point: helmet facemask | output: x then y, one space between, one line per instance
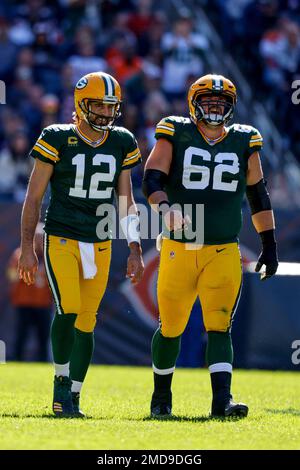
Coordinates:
214 112
105 122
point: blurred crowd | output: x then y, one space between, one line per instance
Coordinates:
46 47
153 49
263 37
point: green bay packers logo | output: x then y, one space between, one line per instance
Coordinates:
81 83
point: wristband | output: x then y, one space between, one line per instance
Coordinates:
130 227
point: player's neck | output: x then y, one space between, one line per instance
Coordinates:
211 132
89 132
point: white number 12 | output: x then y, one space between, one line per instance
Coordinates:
94 192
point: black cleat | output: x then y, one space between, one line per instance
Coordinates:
77 413
161 411
62 405
231 409
161 405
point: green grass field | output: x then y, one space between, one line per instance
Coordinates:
116 399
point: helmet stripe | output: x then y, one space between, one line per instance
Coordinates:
111 89
105 84
113 86
217 84
108 85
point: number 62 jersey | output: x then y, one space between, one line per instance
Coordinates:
211 174
85 176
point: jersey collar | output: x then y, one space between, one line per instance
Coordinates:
214 141
90 142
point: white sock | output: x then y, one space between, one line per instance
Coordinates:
220 367
62 369
76 386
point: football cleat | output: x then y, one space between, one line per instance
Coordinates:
231 409
62 398
77 413
161 405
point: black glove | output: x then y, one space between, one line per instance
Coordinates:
268 255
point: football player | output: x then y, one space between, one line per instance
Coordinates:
200 160
85 162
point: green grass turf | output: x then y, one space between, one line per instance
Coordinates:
116 399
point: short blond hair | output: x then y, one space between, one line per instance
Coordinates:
75 118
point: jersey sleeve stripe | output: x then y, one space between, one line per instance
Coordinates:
256 136
48 146
138 154
42 152
164 131
130 154
256 144
46 150
160 126
166 124
130 162
255 140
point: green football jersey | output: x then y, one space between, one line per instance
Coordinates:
210 174
85 176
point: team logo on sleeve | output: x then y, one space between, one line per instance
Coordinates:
81 83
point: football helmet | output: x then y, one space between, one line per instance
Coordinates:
97 86
212 99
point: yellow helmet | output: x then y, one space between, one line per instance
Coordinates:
97 86
200 94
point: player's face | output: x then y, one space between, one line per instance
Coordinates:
209 107
101 113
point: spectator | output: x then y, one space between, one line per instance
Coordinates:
127 64
182 51
66 94
49 107
280 49
8 51
14 168
86 60
33 305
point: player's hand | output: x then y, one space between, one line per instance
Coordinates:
135 264
174 220
269 258
28 266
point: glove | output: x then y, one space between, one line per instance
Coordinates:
268 256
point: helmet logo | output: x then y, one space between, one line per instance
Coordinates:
81 83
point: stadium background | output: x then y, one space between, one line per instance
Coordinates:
156 50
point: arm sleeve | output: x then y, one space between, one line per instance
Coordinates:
46 147
165 129
132 154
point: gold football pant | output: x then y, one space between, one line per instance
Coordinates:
213 273
72 293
